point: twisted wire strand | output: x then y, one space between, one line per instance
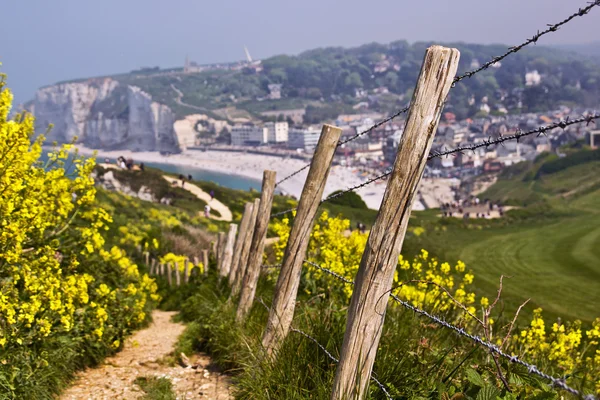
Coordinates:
335 360
461 149
551 28
514 49
343 142
531 368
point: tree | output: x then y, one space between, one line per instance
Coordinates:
348 199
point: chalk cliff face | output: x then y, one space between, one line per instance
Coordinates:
105 114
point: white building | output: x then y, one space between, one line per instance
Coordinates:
305 139
248 135
277 132
533 78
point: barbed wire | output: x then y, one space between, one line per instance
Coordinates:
531 368
335 360
343 142
551 28
519 134
377 125
486 143
514 49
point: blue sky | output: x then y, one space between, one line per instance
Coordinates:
45 41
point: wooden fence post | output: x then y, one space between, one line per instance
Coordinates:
237 251
374 279
147 255
169 274
228 251
205 260
286 289
245 251
161 269
257 246
177 274
186 275
220 249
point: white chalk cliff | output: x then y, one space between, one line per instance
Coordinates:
105 114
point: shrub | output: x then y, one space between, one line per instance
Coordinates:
65 300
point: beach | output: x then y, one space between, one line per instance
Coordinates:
252 166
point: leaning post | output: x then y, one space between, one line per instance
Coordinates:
257 246
286 289
375 275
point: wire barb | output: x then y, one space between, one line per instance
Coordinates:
551 28
557 382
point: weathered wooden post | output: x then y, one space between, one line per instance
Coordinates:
147 255
286 289
205 260
220 250
177 274
245 251
257 246
161 269
169 274
186 276
237 250
366 313
228 251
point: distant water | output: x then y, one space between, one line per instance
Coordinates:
225 180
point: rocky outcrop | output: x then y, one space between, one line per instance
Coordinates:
104 114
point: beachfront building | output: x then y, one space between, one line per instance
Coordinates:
248 135
305 138
277 132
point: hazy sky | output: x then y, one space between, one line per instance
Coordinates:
45 41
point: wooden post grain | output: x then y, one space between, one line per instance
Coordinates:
257 246
220 250
228 251
147 255
375 275
186 273
170 274
205 260
245 251
286 289
237 250
161 269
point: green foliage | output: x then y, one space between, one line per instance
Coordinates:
349 199
156 388
326 80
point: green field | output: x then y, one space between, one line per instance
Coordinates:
550 248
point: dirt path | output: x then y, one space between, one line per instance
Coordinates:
142 356
201 194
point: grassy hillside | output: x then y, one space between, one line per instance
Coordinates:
329 81
550 247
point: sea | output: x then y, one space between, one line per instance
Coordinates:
225 180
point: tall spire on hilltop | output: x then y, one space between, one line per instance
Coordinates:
248 58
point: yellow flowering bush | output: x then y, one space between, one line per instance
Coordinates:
58 283
563 345
332 246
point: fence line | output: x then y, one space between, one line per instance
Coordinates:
551 28
486 143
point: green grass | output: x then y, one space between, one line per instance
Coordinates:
550 249
156 388
556 264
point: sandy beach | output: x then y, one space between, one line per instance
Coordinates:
253 165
